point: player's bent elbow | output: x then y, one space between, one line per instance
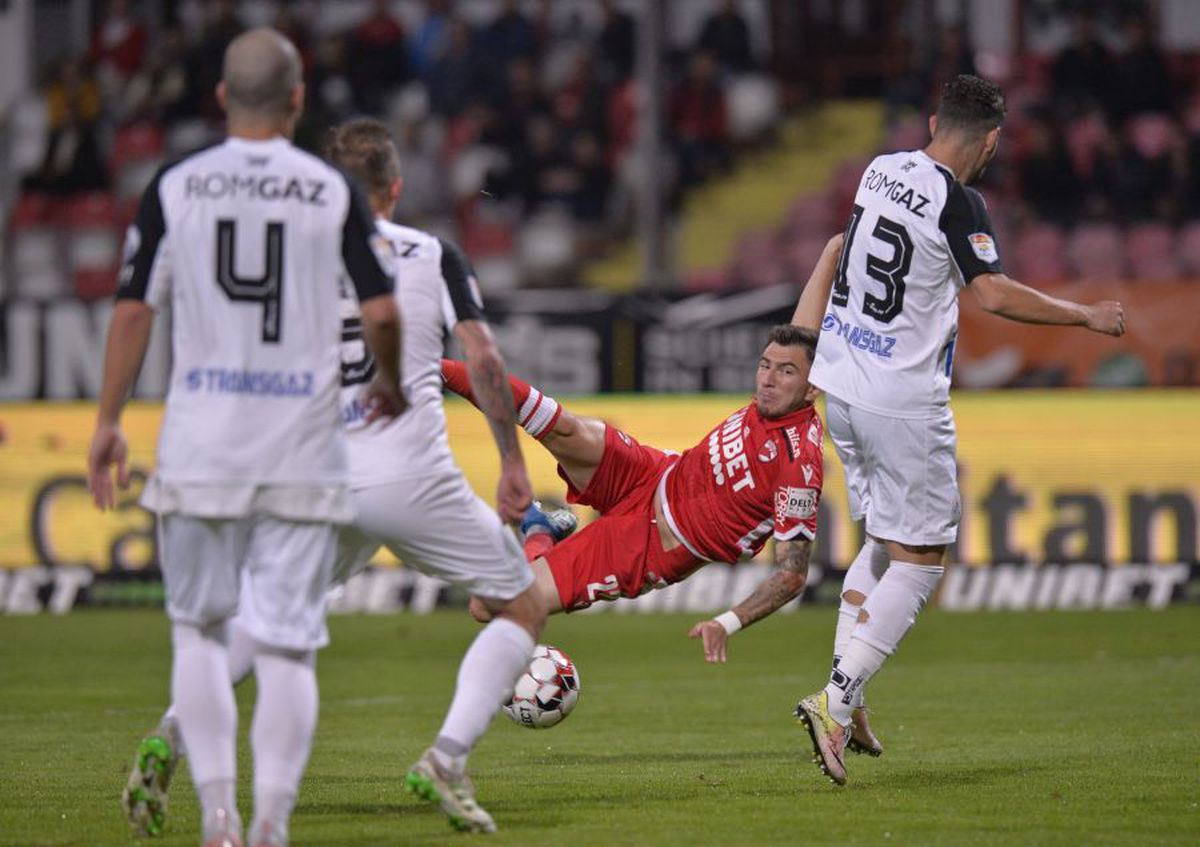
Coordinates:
991 292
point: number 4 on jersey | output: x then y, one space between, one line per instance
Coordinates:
266 289
890 272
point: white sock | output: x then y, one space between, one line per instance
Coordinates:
206 712
486 677
862 576
892 609
240 657
285 718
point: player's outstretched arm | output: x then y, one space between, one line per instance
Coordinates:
128 337
815 296
1001 295
771 595
493 396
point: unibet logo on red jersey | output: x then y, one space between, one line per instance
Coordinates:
727 453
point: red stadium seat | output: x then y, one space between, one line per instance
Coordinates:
1151 251
36 247
136 155
1188 245
1097 252
1037 255
92 244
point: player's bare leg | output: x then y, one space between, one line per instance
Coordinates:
490 668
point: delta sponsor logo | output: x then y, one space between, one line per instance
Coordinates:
798 503
859 338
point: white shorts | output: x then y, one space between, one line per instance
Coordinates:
900 474
440 527
283 569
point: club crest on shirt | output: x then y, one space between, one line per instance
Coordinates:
769 451
628 441
983 245
799 503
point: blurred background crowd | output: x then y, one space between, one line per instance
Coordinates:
530 130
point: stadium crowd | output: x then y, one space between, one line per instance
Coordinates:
1098 173
521 123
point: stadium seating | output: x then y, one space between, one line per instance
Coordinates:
35 248
1150 248
1097 252
92 244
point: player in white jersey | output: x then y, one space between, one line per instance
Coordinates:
244 242
916 237
408 493
412 498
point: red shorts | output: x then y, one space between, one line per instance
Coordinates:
620 554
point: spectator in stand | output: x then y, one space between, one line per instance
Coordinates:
1080 76
380 58
510 36
428 42
589 201
520 102
156 92
1146 177
580 103
1049 185
329 96
205 60
1142 80
118 45
699 122
456 74
727 37
73 162
951 56
616 43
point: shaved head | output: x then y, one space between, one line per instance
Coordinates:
262 69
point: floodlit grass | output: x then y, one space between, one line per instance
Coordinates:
1071 728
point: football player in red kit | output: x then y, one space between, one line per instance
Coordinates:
756 474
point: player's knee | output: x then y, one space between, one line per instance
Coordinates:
479 610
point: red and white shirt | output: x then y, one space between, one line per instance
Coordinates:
750 477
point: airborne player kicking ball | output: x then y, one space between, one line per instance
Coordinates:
663 514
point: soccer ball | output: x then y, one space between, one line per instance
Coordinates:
547 691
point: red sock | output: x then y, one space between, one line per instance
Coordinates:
536 412
537 545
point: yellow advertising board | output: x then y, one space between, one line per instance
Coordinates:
1056 476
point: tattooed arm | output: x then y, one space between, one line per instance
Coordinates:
489 382
772 594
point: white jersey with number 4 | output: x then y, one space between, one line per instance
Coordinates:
436 290
916 236
245 242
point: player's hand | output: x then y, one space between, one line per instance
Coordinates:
714 637
384 400
513 493
1107 317
108 449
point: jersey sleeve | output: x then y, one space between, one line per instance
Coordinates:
798 493
969 232
145 268
466 303
365 253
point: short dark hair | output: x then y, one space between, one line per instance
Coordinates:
790 335
364 148
971 104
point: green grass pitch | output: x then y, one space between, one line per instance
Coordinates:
1038 728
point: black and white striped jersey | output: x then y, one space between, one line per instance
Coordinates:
245 242
435 289
916 236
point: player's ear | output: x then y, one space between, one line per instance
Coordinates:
811 395
932 125
221 96
394 190
296 100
